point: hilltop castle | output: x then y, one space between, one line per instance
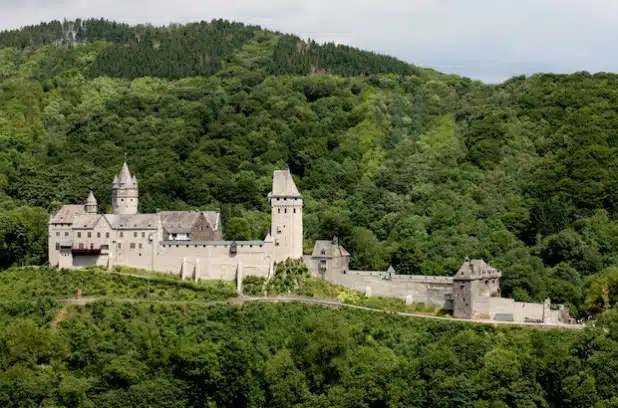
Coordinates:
189 244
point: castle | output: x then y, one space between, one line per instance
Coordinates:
189 244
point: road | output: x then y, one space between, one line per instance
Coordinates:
315 301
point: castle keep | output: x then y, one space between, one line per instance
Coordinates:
189 244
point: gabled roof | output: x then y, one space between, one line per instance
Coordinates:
86 221
182 222
326 249
66 214
178 222
213 218
283 185
133 221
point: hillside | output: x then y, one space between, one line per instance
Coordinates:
172 346
407 166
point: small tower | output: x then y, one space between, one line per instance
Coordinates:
124 192
474 281
287 217
92 206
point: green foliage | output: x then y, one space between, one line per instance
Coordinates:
407 166
194 354
36 283
253 286
288 277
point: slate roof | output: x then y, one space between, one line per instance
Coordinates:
91 199
476 269
330 250
213 218
136 221
125 175
181 222
86 221
67 213
283 185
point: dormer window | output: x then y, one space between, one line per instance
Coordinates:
324 252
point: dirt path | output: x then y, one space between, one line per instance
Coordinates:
62 314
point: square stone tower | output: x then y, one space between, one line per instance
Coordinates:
287 217
473 284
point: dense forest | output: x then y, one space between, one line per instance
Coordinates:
407 166
177 347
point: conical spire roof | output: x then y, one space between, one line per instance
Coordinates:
125 174
91 199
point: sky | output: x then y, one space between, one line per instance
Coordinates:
490 40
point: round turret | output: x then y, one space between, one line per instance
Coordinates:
91 204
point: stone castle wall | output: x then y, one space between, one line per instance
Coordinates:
430 290
213 260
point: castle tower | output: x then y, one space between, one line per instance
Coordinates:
474 282
124 192
287 217
92 206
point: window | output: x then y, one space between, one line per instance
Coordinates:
57 233
98 235
143 235
324 252
294 210
135 234
132 245
66 234
119 245
57 246
79 235
121 234
91 246
90 235
107 235
285 211
81 246
122 199
140 246
278 210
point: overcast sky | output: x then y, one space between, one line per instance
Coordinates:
489 40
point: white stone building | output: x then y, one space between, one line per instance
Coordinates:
187 243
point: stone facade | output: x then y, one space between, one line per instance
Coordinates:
185 243
473 293
188 244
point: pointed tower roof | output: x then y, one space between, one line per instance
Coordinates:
91 199
125 174
283 184
115 180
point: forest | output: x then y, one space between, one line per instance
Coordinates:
407 166
179 345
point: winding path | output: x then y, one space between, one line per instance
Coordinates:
311 300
